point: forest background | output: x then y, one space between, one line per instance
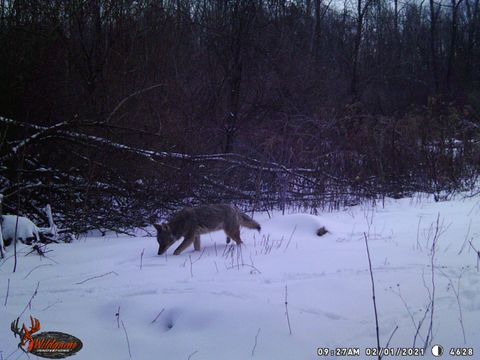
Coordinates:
116 112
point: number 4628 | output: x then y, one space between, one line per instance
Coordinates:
461 351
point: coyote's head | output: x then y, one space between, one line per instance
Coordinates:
165 237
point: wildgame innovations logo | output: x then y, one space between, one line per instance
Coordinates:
49 344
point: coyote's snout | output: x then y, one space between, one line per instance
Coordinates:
190 223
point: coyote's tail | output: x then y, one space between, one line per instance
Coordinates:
248 222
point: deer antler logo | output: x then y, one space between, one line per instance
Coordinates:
47 344
24 333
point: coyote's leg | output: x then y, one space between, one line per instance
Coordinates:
196 243
189 239
234 234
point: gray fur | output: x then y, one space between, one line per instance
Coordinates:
191 222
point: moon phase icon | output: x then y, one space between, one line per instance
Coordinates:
437 350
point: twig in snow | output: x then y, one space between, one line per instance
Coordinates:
418 233
8 290
15 243
128 341
39 250
373 296
191 355
457 296
191 265
96 277
117 315
420 323
286 310
29 304
436 235
13 353
49 306
36 267
466 237
290 239
409 313
252 266
478 255
225 253
201 254
239 256
141 258
160 313
391 336
255 345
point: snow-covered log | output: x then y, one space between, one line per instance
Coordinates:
19 228
23 229
52 230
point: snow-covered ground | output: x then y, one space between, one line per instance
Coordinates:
222 303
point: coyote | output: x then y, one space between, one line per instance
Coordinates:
193 222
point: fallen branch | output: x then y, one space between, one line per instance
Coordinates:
233 159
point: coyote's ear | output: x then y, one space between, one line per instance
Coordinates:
158 227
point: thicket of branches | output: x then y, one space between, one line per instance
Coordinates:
114 111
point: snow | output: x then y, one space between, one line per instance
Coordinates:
222 303
25 229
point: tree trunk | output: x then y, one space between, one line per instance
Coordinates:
472 17
433 46
453 44
318 29
356 51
